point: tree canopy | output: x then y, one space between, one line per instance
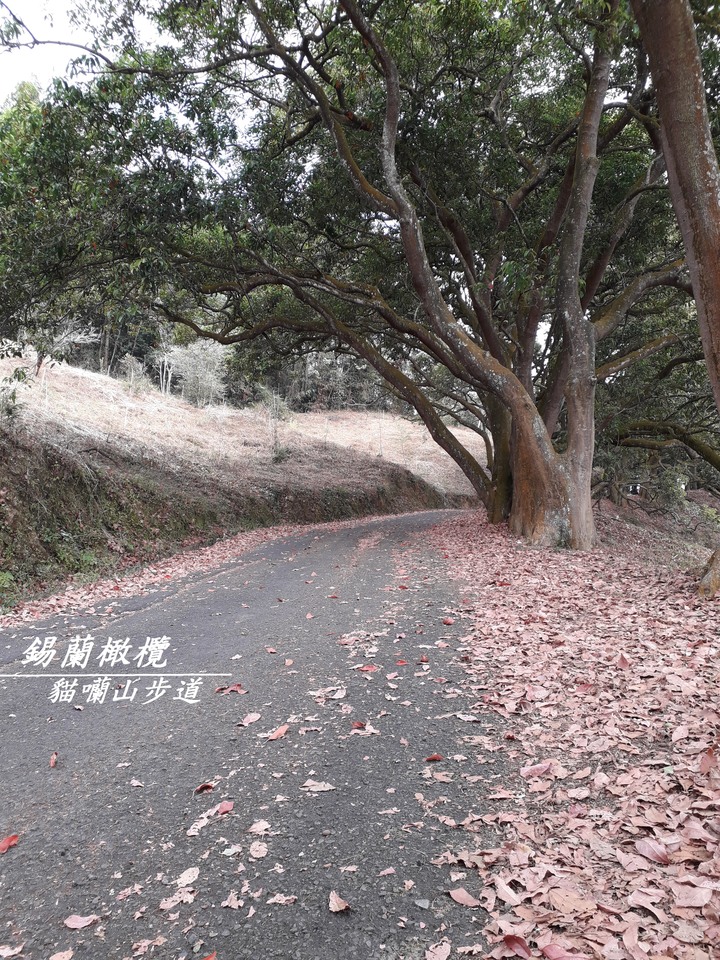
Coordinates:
468 195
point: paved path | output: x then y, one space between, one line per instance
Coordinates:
326 632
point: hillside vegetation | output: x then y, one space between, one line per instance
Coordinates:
98 474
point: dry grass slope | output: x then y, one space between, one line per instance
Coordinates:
96 473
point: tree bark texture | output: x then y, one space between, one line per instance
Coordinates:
578 330
710 582
668 34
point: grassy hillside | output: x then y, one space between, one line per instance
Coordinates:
97 475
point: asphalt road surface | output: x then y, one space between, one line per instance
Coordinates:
336 639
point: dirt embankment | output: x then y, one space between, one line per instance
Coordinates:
96 476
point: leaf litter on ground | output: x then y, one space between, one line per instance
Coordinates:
604 672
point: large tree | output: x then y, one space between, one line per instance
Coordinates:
447 189
668 32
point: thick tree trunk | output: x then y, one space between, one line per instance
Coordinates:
544 488
578 330
580 398
500 500
710 582
668 34
541 495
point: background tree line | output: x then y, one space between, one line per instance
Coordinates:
470 197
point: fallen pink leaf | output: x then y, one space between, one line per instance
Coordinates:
205 787
231 688
279 733
314 786
248 719
218 810
232 902
536 769
8 842
183 895
336 903
685 895
188 877
259 828
518 946
652 849
143 946
460 895
553 951
76 922
282 899
439 951
708 761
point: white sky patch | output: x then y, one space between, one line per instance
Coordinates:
48 20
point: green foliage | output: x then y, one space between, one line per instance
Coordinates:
218 200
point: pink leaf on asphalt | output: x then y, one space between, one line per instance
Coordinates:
8 842
460 895
259 828
187 877
439 951
280 732
183 895
232 902
282 898
336 903
248 719
76 922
